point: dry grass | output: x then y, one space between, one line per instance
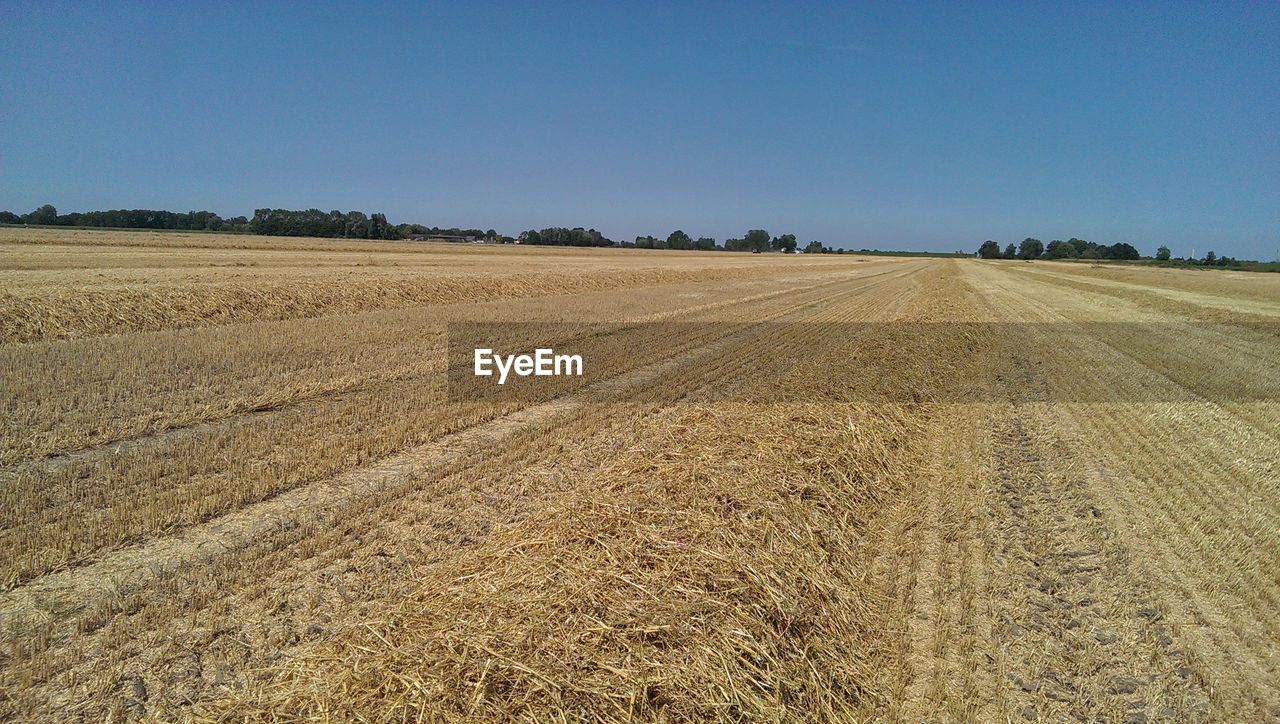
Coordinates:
157 304
242 494
1188 485
715 576
139 426
714 571
60 285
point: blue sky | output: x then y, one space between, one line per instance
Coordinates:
932 126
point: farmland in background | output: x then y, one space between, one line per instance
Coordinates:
234 485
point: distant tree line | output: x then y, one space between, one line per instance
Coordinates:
560 236
314 222
48 215
358 225
755 240
1072 248
1166 258
758 240
436 231
267 222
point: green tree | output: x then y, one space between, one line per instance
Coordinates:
989 250
785 243
813 247
757 240
1210 258
705 243
1011 251
1163 254
1030 248
679 240
380 228
46 215
1080 245
1121 250
1059 249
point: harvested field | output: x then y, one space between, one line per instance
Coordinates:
236 485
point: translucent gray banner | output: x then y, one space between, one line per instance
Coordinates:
891 362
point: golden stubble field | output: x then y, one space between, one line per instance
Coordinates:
234 486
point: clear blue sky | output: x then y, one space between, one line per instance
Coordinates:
926 127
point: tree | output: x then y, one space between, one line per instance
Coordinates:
1080 245
380 228
679 240
561 236
813 247
757 240
1210 258
1059 249
285 222
46 215
1030 248
705 243
1163 254
1011 251
8 217
1121 250
355 225
989 250
785 243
